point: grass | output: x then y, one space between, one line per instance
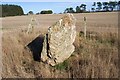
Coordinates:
98 57
95 57
62 66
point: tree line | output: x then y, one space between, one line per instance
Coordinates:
96 7
15 10
11 10
42 12
106 6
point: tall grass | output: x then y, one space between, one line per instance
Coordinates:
95 57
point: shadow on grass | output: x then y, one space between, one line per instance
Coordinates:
36 47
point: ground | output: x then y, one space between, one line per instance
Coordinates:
96 56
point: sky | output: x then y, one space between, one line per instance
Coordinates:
56 7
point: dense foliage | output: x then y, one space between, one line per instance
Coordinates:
11 10
96 7
30 12
46 12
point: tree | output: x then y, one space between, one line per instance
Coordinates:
83 7
93 6
66 10
118 4
11 10
30 12
105 6
69 10
93 9
99 4
46 12
78 9
112 5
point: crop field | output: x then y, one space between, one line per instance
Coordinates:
94 57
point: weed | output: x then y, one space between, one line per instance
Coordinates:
62 66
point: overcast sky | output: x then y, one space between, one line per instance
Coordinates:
55 5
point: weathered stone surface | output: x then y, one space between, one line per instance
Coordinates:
58 42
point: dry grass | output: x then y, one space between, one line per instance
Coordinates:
95 57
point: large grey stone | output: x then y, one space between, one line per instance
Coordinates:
58 42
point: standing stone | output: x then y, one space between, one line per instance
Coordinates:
58 42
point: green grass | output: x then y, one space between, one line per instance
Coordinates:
62 66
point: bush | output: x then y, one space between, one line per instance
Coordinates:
62 66
30 12
46 12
